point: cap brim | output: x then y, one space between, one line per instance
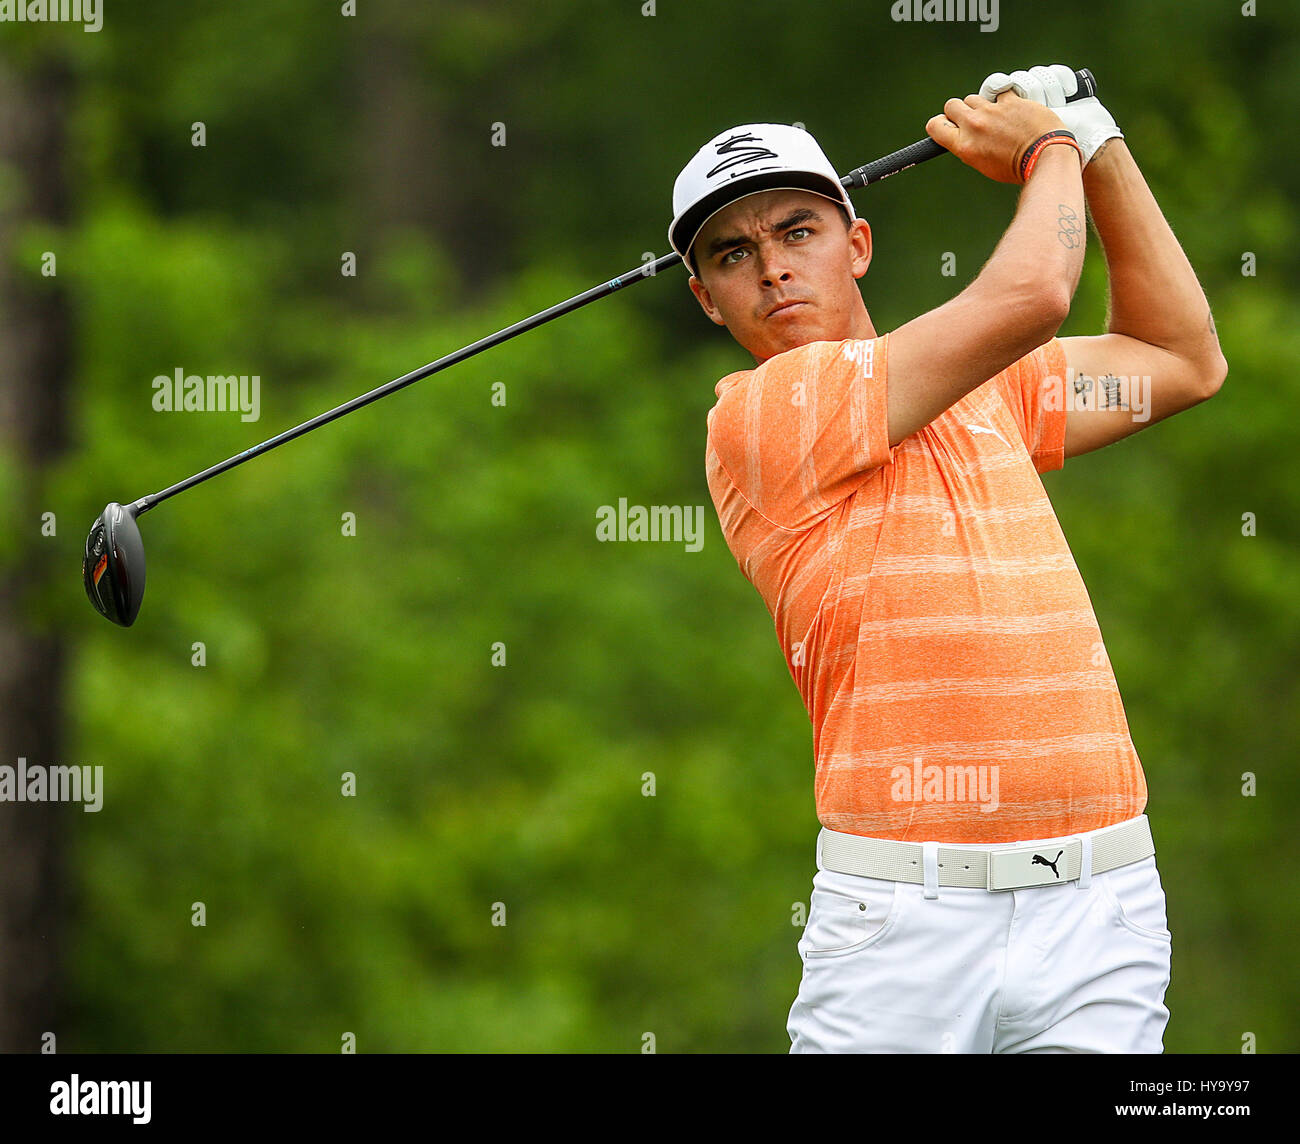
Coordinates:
687 228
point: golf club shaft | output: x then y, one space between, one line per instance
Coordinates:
646 270
881 168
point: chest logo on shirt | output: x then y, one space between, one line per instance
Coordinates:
985 429
863 352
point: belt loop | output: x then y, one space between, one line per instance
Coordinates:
1085 861
930 867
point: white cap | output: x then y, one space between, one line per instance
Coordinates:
744 161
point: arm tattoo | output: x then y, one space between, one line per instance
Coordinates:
1104 392
1110 385
1068 231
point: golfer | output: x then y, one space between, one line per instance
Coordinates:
986 879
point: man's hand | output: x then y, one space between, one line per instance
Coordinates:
993 136
1091 124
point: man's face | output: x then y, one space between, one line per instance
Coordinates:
768 250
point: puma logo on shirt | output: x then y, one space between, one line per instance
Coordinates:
982 429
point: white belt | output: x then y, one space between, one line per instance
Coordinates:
1009 866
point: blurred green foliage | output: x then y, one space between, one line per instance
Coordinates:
475 523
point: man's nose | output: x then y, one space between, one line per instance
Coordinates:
774 266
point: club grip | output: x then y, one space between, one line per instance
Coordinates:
927 148
891 164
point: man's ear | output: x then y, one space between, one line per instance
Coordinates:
860 242
705 299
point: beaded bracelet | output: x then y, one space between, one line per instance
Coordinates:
1031 155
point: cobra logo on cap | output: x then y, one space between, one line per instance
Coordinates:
737 158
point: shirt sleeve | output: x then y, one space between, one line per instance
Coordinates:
801 432
1034 390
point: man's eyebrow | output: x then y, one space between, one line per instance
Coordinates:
728 242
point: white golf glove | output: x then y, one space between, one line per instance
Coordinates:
1089 122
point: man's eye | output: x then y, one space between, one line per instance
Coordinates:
726 258
800 230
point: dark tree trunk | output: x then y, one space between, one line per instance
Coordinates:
35 368
420 164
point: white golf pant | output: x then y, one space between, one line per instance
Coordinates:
1047 969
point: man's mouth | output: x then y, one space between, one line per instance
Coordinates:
782 307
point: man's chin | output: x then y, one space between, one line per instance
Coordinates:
799 334
780 335
779 346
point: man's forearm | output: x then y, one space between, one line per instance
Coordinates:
1154 294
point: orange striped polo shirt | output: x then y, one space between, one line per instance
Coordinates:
929 608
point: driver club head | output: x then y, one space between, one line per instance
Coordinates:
113 567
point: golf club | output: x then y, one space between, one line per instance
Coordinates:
113 566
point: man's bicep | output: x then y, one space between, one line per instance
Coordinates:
1116 385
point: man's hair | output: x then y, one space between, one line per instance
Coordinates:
843 212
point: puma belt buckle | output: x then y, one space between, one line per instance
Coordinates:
1022 866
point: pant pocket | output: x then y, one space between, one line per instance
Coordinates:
1137 899
848 913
